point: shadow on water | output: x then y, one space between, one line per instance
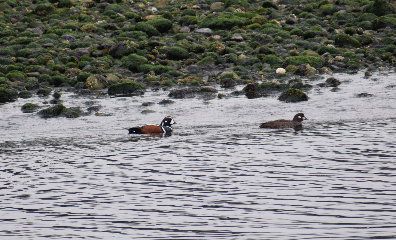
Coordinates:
219 176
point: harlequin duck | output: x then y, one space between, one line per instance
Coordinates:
164 127
283 123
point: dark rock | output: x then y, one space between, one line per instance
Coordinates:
125 88
103 5
7 94
166 102
293 95
193 68
208 89
363 95
332 82
25 94
52 111
119 50
227 83
69 38
81 52
29 107
181 93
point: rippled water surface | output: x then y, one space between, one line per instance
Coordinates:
218 176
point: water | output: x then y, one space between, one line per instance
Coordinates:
218 176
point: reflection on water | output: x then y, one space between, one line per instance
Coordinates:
218 176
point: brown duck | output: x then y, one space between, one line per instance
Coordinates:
283 123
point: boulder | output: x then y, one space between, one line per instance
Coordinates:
96 82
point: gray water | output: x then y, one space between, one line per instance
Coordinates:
218 176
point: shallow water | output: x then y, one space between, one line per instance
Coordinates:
218 176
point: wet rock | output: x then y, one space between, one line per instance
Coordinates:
73 112
96 82
25 94
29 108
227 83
293 95
208 89
305 69
332 82
52 111
7 94
181 93
367 74
166 102
43 92
57 94
125 88
72 72
364 95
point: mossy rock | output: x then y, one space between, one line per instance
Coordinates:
29 107
181 93
161 24
52 111
166 102
147 28
7 94
6 61
43 9
96 82
332 50
241 3
133 62
293 95
327 9
65 4
25 94
380 8
43 92
384 21
271 59
342 40
73 112
177 53
125 88
269 4
224 21
315 62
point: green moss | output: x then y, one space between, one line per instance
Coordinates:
7 94
315 62
147 28
271 59
293 95
52 111
342 40
161 24
329 49
124 88
43 9
16 76
224 20
177 53
43 92
327 9
241 3
380 8
133 61
65 4
384 21
29 107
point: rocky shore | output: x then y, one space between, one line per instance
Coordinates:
188 47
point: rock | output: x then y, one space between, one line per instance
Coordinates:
166 102
305 69
52 111
293 95
103 5
205 31
367 74
181 93
237 37
25 94
119 50
124 88
48 45
69 38
37 31
193 68
362 95
96 82
204 6
332 82
72 72
44 71
227 83
184 29
112 77
208 89
29 107
280 71
81 52
216 5
33 74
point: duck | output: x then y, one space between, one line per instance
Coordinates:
296 123
164 127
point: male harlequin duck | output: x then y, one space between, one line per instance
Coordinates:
283 123
164 127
